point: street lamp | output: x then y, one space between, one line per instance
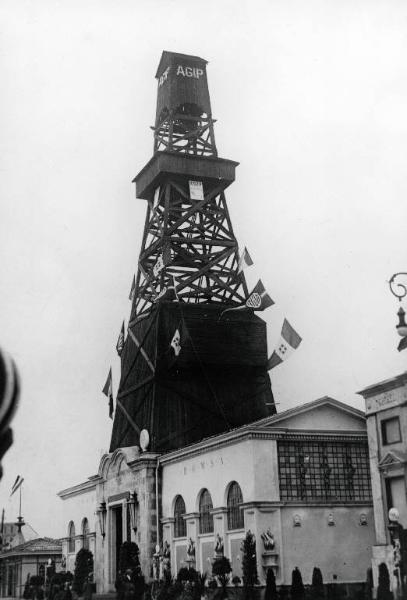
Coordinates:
398 287
101 514
132 504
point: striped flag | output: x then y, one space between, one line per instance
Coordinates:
259 298
288 342
120 341
244 261
18 482
133 288
108 391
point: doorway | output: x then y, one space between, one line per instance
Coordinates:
117 538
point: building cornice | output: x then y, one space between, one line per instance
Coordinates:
259 433
47 553
384 386
144 461
80 488
261 505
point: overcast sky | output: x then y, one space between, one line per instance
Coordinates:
310 98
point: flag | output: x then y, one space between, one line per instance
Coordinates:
108 391
133 288
259 298
18 482
120 341
162 261
288 342
175 342
159 265
168 292
244 261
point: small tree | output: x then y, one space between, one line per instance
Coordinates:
271 588
383 589
83 567
249 563
317 584
297 586
369 584
221 569
129 557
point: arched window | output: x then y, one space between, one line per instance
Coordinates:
180 526
85 533
235 515
205 517
71 537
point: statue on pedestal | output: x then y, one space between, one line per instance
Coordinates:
191 550
218 546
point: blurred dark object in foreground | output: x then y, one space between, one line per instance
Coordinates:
9 394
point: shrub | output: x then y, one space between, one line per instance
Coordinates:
236 580
221 569
83 567
317 585
297 587
383 589
271 589
129 556
187 574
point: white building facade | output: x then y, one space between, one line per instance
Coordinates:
301 476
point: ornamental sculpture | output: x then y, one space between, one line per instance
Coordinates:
191 549
268 540
218 546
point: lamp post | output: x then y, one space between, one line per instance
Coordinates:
132 504
101 514
398 287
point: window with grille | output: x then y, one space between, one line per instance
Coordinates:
205 517
324 471
180 526
71 537
85 533
235 499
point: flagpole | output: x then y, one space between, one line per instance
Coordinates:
20 502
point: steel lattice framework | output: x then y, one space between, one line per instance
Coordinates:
196 244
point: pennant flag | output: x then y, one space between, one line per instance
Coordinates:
259 298
133 288
288 342
108 391
244 261
120 341
175 342
18 482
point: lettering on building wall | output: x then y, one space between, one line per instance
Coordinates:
386 400
208 463
189 71
164 76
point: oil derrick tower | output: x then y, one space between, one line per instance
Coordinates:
188 369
